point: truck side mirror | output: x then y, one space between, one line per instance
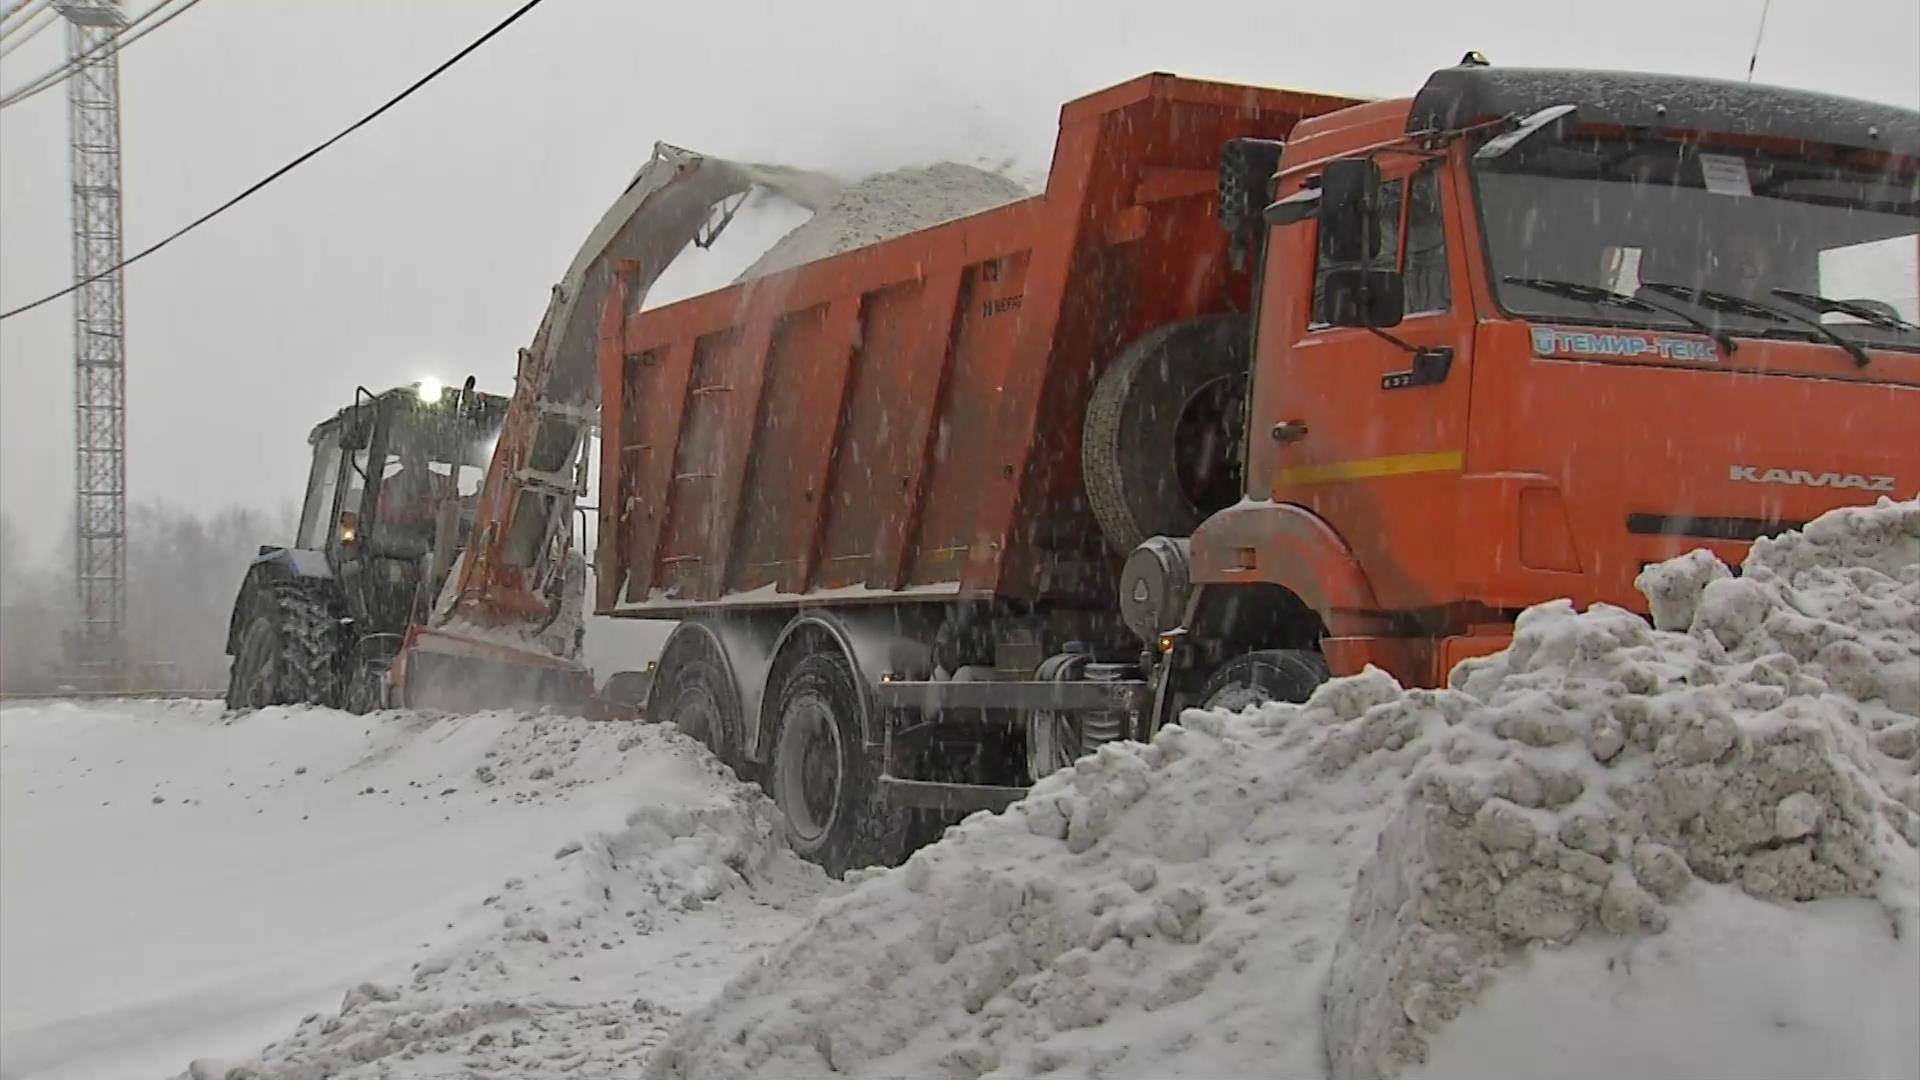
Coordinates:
1357 292
1364 296
1349 198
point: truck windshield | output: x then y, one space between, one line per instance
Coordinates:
1799 240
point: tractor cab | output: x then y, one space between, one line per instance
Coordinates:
390 500
391 494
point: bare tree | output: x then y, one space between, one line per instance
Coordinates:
183 570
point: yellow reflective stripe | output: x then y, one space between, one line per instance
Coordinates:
1367 468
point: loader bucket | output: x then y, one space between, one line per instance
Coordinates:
452 672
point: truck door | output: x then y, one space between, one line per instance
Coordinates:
1365 427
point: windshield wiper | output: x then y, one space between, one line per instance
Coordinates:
1593 294
1754 309
1826 305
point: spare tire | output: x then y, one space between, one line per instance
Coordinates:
1161 446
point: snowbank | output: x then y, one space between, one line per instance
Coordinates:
1611 850
577 970
1602 766
886 205
579 967
504 891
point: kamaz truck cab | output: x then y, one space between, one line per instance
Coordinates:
389 504
1532 330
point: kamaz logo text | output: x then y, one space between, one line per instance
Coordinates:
1753 474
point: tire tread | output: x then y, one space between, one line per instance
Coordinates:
1112 494
1289 675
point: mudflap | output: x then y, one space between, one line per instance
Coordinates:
450 673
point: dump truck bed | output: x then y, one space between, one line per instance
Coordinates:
903 421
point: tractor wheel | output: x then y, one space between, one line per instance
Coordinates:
697 698
256 678
288 652
1256 678
1159 449
315 647
822 778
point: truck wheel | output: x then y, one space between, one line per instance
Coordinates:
1056 740
822 778
698 699
288 652
1268 675
1159 449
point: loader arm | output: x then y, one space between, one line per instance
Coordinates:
518 584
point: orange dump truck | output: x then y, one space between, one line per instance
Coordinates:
1265 385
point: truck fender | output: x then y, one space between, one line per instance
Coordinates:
1261 542
270 566
874 644
702 634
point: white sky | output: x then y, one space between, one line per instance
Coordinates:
426 243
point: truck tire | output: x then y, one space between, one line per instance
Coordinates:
822 778
1159 449
1256 678
288 652
697 697
1056 740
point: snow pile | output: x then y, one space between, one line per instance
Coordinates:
525 892
1151 911
886 205
1768 743
1693 826
579 967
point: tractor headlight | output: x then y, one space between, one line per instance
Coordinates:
429 390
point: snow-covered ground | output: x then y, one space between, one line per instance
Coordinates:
180 884
1612 850
1616 849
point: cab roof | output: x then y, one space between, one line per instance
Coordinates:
1455 97
492 407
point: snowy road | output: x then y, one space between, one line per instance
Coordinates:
178 884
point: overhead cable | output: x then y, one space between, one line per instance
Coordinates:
23 33
120 40
19 10
284 169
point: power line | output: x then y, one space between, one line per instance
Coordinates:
49 79
70 64
27 33
288 167
19 10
